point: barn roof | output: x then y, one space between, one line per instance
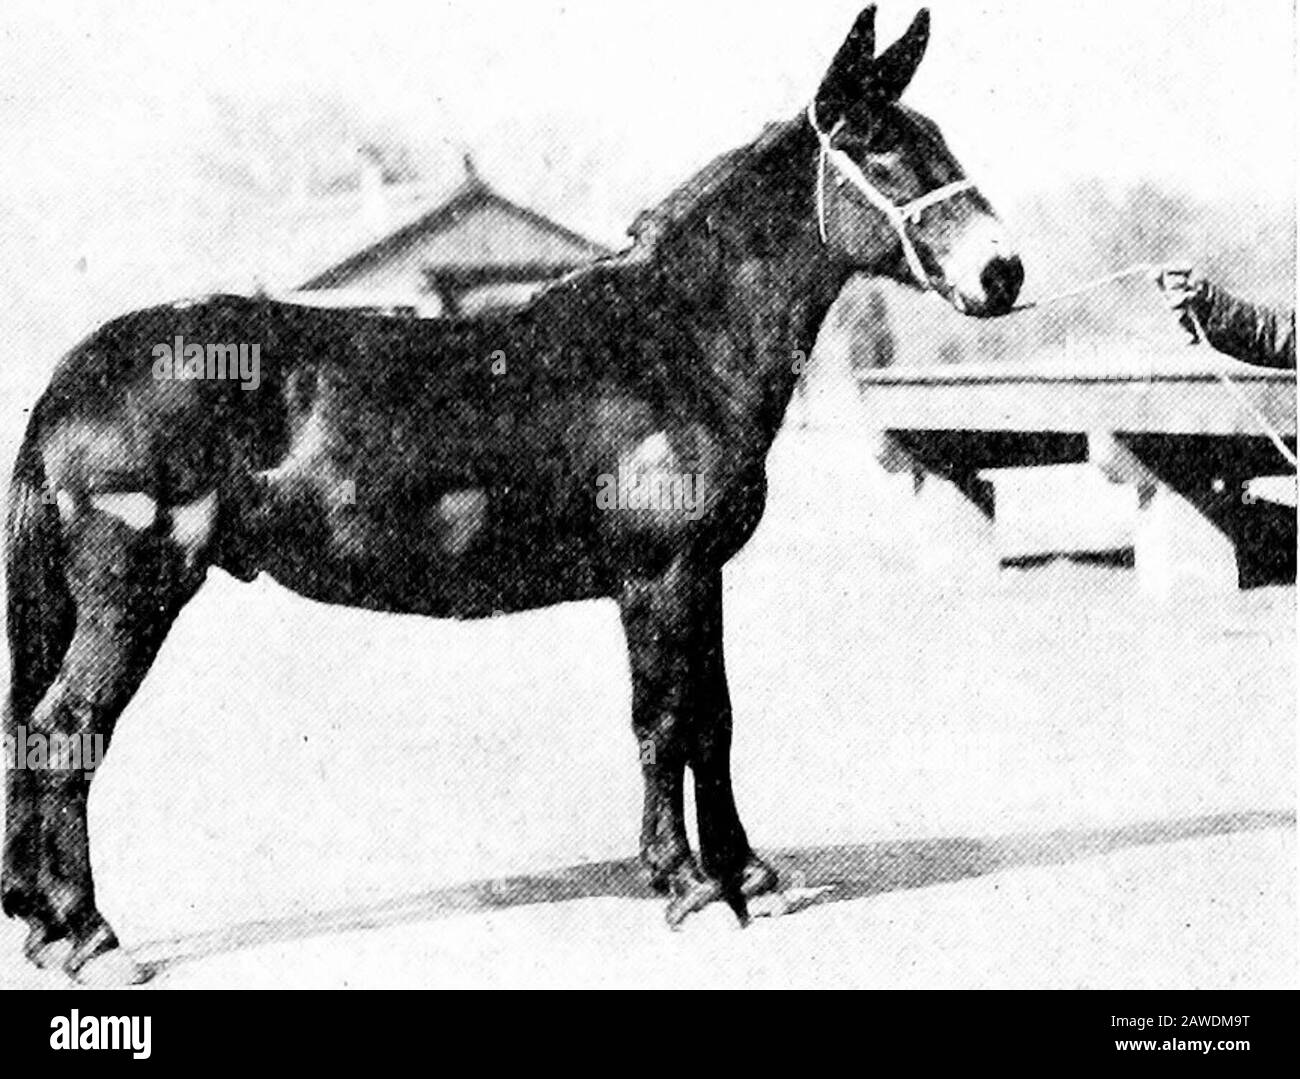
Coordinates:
473 232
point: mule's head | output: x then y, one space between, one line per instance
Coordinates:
891 197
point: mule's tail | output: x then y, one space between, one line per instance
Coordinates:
39 613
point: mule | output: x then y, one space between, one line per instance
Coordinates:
451 467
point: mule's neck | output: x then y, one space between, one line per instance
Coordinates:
757 281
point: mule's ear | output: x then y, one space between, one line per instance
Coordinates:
894 68
846 78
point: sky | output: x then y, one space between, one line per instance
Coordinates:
595 109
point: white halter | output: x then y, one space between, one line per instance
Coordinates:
897 216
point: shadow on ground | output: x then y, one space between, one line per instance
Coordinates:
820 875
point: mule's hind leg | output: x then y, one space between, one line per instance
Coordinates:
39 622
652 620
127 590
46 945
20 888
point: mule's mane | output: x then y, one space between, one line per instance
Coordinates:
687 201
653 228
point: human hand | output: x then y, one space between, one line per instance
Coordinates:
1180 284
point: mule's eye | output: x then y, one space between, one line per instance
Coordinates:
878 167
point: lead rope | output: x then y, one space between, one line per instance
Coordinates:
1145 269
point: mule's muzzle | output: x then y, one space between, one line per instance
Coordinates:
1001 280
982 270
994 289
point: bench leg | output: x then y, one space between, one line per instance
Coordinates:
1206 477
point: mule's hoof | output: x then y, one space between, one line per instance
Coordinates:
100 961
111 968
739 906
46 953
691 892
658 881
758 878
770 905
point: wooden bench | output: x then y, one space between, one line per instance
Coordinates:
1164 423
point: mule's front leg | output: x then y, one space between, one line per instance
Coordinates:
681 717
725 853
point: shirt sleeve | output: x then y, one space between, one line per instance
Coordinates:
1246 331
